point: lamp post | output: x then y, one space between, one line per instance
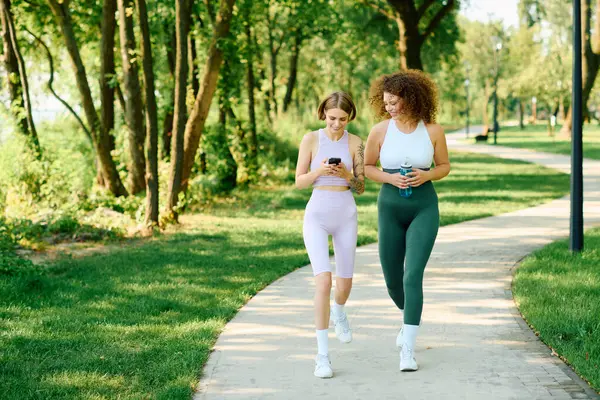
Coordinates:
467 82
497 73
576 223
467 110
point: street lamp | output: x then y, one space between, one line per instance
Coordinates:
576 220
467 110
497 73
467 82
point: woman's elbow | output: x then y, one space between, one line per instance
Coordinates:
299 184
446 170
369 171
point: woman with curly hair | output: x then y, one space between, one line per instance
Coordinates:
407 204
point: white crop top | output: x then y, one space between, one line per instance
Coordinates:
329 148
398 147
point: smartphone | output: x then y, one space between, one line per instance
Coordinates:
334 161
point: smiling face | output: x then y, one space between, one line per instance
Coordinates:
336 120
393 104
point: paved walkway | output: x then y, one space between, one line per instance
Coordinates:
473 343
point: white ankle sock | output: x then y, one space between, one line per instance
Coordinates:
337 309
409 335
322 342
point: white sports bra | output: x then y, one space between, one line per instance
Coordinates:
398 147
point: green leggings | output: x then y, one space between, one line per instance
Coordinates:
407 231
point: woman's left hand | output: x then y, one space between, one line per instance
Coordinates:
417 177
341 172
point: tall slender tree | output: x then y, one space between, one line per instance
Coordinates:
151 118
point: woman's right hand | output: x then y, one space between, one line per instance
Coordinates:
398 180
326 169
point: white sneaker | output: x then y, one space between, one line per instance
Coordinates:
399 340
323 367
407 360
342 328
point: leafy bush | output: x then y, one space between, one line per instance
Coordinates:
10 263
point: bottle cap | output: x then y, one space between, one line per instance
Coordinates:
406 164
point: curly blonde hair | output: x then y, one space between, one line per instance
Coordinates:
415 87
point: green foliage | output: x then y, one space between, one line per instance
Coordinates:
441 47
219 166
57 227
10 263
60 180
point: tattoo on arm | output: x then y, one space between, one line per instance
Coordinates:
357 183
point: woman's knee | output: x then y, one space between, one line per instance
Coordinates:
344 285
413 279
323 283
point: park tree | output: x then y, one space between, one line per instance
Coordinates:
97 128
417 22
479 52
553 13
18 83
182 162
133 94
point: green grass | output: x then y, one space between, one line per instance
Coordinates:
558 293
536 137
139 322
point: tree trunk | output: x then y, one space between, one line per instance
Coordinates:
151 119
561 110
408 18
273 92
100 135
168 121
182 10
107 72
13 80
195 124
228 181
252 138
107 64
273 50
409 45
133 95
486 118
267 102
167 133
8 24
192 54
293 70
521 115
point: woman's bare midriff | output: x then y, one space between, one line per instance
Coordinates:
333 188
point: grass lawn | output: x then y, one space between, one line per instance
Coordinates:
139 322
559 295
536 137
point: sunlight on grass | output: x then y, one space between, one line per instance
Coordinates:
536 138
558 293
149 315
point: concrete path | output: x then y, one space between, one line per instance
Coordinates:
473 343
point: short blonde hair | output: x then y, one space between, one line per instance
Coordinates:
341 100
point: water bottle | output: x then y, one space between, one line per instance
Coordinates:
405 168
